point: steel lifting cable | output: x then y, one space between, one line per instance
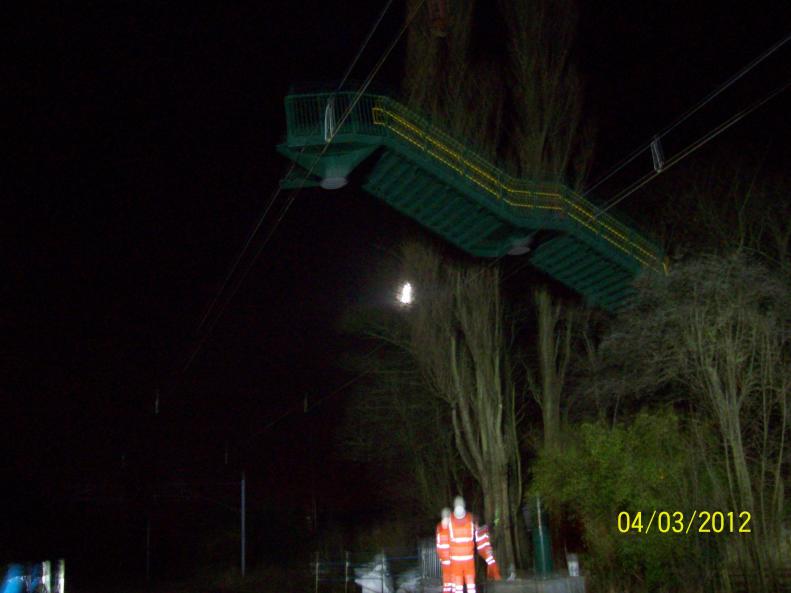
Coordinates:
690 112
295 193
693 147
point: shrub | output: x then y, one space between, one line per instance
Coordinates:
635 468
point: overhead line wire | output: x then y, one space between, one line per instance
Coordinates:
693 147
277 190
296 192
276 193
303 408
295 408
686 115
364 45
241 253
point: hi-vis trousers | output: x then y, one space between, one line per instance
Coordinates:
463 572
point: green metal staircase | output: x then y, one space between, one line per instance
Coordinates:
424 173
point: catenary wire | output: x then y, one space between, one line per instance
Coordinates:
693 147
301 407
93 423
364 45
296 192
278 189
241 253
686 115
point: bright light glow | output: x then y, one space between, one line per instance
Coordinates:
405 295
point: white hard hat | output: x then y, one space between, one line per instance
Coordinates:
458 507
445 514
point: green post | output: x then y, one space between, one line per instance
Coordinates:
542 546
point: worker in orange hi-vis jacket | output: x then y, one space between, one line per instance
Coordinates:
443 550
484 547
465 537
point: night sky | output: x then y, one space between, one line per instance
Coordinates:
140 154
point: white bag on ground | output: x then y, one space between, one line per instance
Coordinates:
409 581
374 577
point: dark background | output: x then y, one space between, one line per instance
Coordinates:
140 149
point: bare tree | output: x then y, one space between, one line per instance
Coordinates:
459 338
437 68
546 383
549 141
541 139
393 421
717 331
719 206
464 96
395 424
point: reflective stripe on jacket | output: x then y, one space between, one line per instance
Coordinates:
466 537
483 545
443 544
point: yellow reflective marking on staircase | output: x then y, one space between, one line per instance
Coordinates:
378 112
